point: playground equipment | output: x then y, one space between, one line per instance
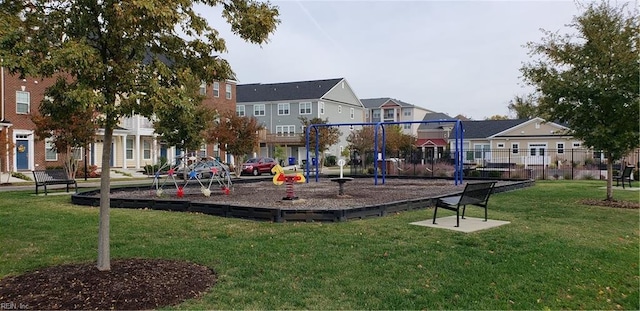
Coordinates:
219 176
457 153
280 177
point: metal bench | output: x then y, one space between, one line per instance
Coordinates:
624 176
44 178
474 194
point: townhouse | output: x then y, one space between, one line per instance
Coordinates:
279 106
135 144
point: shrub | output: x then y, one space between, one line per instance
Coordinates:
567 176
475 173
331 160
588 176
495 174
91 172
20 175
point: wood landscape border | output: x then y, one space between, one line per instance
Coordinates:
275 214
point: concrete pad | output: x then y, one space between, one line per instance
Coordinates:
623 189
41 194
468 224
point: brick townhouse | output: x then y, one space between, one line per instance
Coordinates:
135 143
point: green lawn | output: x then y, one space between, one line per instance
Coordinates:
555 254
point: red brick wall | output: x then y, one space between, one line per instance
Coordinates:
222 105
36 88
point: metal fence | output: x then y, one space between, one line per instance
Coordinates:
532 163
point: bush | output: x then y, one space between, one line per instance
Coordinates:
495 174
91 172
20 175
331 160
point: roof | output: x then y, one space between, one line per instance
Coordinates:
487 128
431 141
258 92
434 116
378 102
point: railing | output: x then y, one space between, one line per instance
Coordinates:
284 138
497 164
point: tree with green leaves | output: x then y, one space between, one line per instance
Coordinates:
497 117
591 81
68 123
328 136
123 57
524 107
238 134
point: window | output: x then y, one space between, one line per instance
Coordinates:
23 101
146 150
376 114
352 113
203 89
203 151
240 111
78 153
321 107
500 145
216 89
228 91
560 147
305 108
388 114
285 130
481 151
406 113
537 149
283 109
258 110
515 148
537 125
406 126
50 150
339 108
129 143
576 144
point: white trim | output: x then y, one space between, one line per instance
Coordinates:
30 146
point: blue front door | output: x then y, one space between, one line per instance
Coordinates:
22 154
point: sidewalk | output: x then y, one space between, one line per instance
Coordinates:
118 174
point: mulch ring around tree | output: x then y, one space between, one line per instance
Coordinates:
611 203
132 284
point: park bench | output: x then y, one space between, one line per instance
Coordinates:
44 178
624 176
474 194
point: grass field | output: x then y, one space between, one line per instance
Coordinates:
556 253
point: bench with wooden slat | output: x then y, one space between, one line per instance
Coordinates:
44 178
474 194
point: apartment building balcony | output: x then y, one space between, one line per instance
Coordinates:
138 125
283 139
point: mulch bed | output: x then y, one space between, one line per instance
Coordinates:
132 284
612 203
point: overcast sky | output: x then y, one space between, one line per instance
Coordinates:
455 57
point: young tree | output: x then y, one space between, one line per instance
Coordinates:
238 134
524 107
591 81
497 117
69 121
329 136
121 55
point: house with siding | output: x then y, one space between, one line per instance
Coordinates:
520 141
135 143
387 109
279 106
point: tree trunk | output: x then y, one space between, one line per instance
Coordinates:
609 177
104 257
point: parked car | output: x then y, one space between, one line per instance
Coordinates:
257 166
204 169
